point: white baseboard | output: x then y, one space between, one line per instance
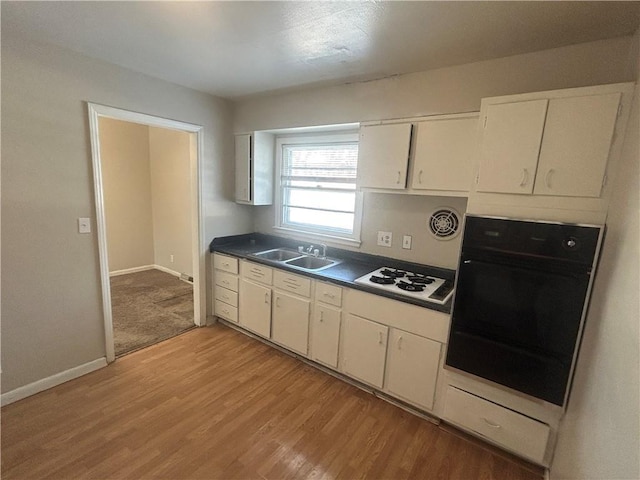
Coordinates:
115 273
50 382
166 270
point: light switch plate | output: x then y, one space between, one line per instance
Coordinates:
406 242
84 225
385 238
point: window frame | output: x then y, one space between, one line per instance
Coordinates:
312 232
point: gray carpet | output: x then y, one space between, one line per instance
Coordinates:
149 307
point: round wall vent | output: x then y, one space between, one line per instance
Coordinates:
444 223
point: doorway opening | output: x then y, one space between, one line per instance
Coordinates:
148 215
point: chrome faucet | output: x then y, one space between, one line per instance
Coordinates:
324 250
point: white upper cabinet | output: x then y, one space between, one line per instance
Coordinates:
383 156
444 147
254 168
575 148
512 133
243 168
553 143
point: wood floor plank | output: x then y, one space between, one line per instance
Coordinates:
215 404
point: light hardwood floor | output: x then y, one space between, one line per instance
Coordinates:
213 403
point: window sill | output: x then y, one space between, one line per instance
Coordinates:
319 236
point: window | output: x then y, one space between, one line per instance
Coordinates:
317 185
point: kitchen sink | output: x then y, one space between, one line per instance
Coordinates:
311 263
278 254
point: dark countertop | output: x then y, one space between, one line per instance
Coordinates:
352 264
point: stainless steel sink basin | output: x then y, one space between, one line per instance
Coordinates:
278 254
311 263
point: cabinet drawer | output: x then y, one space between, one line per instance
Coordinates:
328 293
227 296
226 280
226 311
505 427
225 263
292 283
256 272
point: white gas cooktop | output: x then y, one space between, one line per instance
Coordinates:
415 285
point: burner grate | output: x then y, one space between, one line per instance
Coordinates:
410 287
382 280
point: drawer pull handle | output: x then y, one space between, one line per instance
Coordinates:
226 264
330 295
291 283
525 177
266 298
257 272
547 178
398 180
400 342
278 302
420 177
322 315
225 282
491 424
380 338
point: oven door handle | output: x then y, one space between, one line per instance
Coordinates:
573 271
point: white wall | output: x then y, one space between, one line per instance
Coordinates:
446 90
51 302
124 155
600 435
169 155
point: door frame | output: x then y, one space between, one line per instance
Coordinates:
96 111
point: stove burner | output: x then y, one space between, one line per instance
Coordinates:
421 279
393 273
410 287
382 280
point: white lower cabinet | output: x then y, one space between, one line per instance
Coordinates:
290 322
255 307
515 432
364 349
325 335
412 368
225 289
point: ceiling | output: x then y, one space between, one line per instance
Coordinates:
234 49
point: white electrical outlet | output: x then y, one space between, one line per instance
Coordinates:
385 238
406 242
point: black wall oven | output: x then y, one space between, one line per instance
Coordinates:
520 301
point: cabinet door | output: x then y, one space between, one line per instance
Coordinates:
412 367
511 137
575 148
442 154
243 168
364 349
290 323
383 155
325 335
255 308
